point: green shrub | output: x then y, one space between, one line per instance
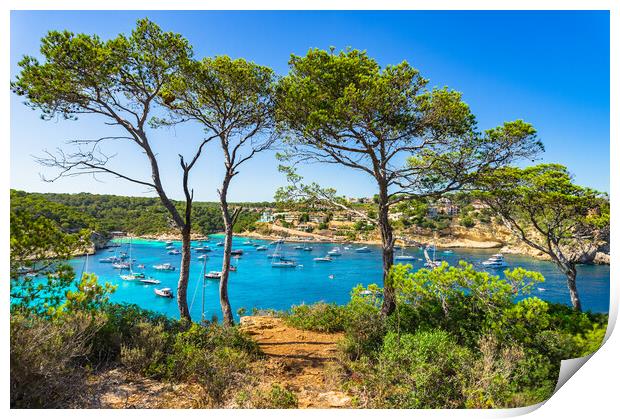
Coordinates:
277 397
148 349
48 357
320 317
467 221
421 370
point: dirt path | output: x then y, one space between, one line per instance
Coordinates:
298 359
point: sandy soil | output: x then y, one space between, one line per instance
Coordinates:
298 359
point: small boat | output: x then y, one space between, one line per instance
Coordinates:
403 256
255 244
323 259
121 265
132 276
233 268
307 249
169 247
219 244
274 256
331 276
364 249
111 259
347 248
495 261
150 281
433 264
334 252
261 248
164 292
202 249
201 257
164 267
213 275
141 266
541 289
284 264
168 243
247 243
299 248
174 252
238 252
447 252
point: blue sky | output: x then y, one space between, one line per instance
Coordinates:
548 68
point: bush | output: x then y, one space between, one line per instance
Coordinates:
48 357
365 326
147 352
421 370
467 222
320 317
277 397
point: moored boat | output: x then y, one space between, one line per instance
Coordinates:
164 292
164 267
213 275
495 261
334 252
363 249
150 281
174 252
323 259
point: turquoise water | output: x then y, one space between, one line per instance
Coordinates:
257 284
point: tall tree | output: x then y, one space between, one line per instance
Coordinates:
120 81
232 99
549 213
343 108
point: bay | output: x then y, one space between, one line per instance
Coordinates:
256 284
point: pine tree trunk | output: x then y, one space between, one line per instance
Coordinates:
228 230
571 281
224 301
184 275
387 241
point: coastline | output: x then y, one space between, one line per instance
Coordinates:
294 236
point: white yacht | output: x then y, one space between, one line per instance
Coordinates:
164 292
164 267
213 275
495 261
335 252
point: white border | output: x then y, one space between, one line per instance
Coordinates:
592 393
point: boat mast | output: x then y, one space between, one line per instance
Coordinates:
204 271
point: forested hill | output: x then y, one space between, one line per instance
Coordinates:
136 215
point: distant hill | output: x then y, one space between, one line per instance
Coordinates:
135 215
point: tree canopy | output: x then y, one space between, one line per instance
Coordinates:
548 212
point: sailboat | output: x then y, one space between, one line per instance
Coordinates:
132 276
280 260
403 256
431 263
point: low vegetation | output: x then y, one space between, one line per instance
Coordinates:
458 338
